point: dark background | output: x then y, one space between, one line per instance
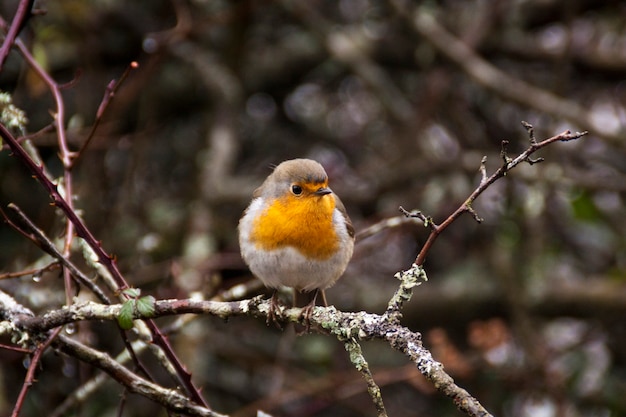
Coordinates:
525 310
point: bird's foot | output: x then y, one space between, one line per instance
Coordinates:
273 314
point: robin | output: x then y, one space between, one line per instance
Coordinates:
296 233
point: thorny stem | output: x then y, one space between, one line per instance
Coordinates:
65 155
19 20
108 261
75 223
60 202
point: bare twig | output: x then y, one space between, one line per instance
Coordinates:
75 223
109 94
19 20
38 237
65 153
170 399
33 271
428 221
385 224
62 203
103 257
29 380
14 348
507 164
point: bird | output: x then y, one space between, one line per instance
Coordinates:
296 233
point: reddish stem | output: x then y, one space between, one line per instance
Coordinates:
106 260
436 230
19 20
30 374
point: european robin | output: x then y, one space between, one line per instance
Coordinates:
296 233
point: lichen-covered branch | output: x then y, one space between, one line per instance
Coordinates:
329 320
360 363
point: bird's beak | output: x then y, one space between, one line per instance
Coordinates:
323 191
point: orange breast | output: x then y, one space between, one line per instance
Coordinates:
305 224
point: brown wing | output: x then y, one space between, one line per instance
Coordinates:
339 205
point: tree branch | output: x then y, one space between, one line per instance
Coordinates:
326 320
38 237
104 258
358 360
19 20
171 399
507 165
29 380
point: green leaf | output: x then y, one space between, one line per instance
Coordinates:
125 319
132 292
145 306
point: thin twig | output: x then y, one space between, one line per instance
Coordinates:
37 236
169 398
47 129
30 374
19 20
14 348
109 94
103 257
33 271
389 223
507 165
65 154
428 221
41 240
59 201
76 223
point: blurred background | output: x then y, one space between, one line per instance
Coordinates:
526 310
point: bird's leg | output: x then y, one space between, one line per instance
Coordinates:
274 307
323 294
307 307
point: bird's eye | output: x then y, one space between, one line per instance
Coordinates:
296 189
